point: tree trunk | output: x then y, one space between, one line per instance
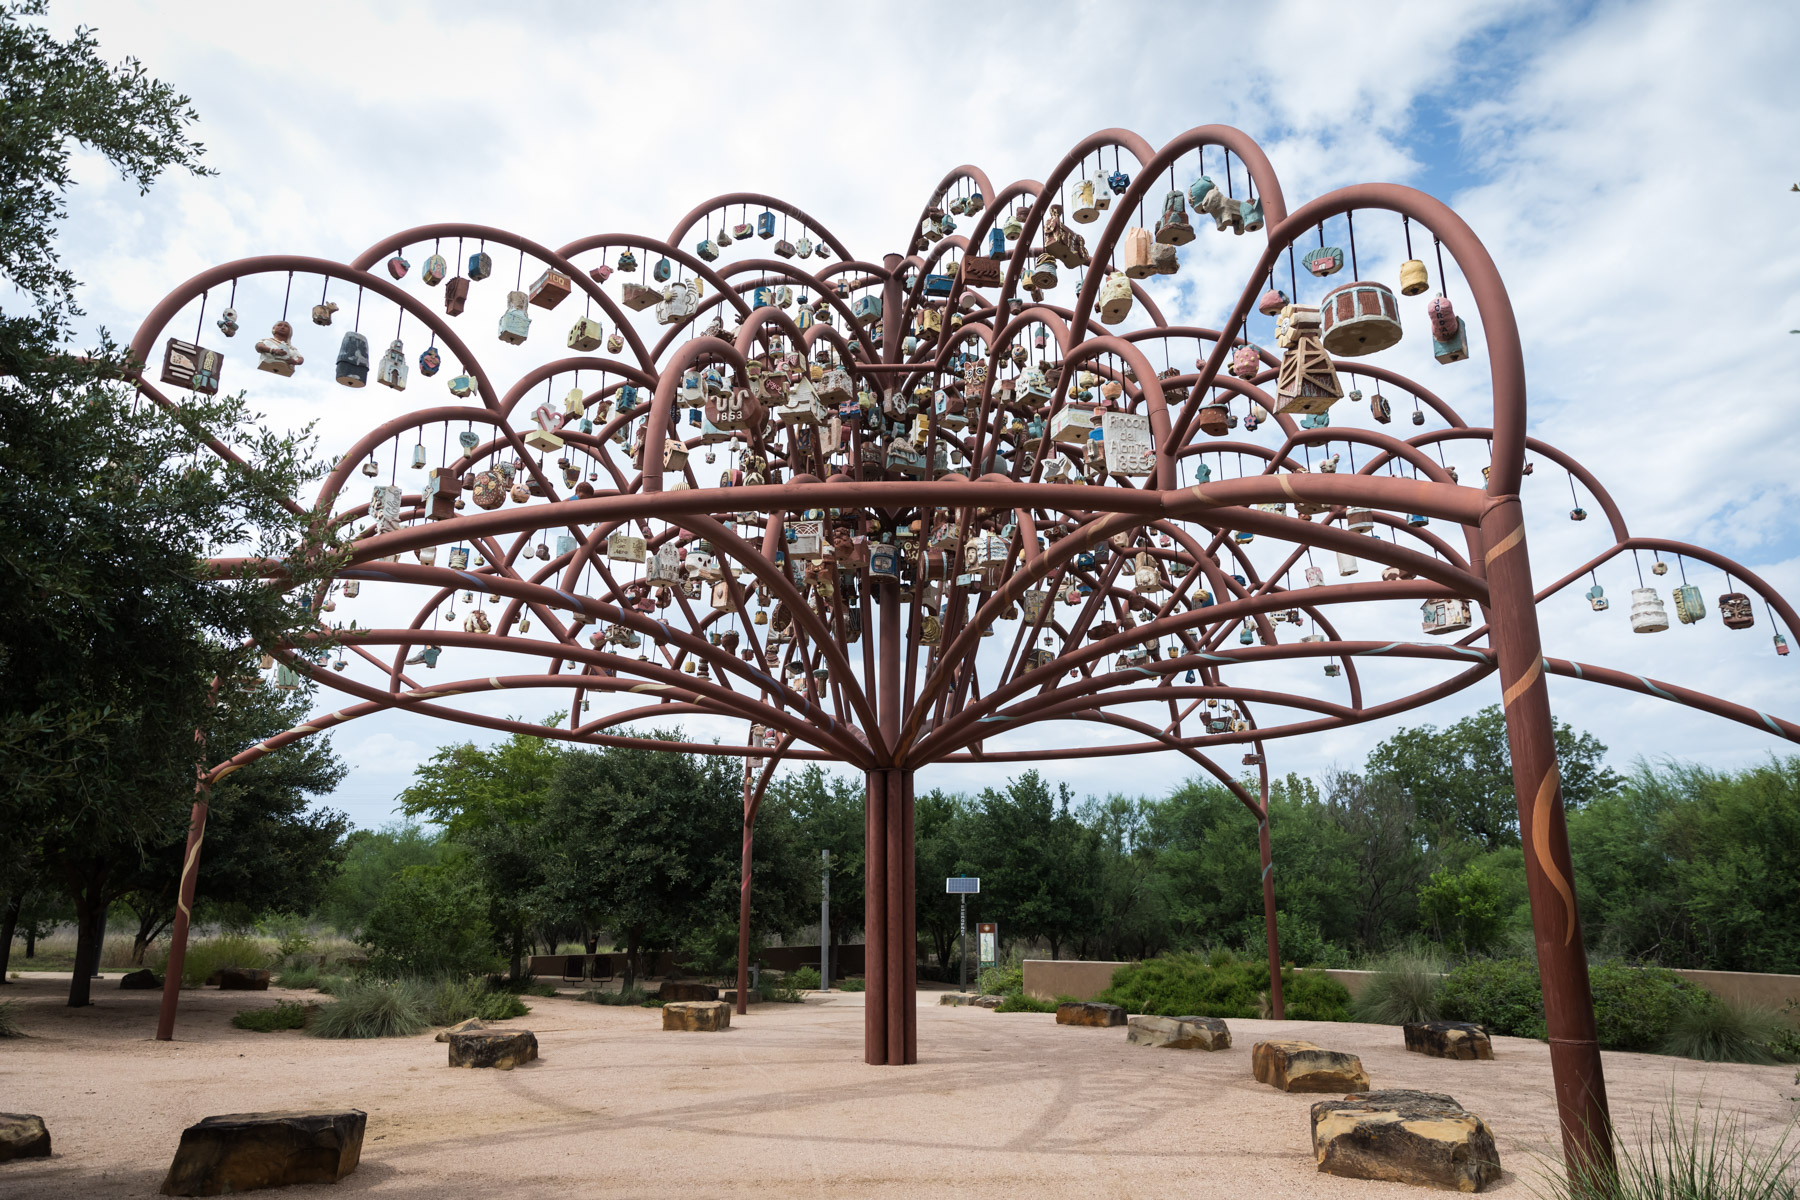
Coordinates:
593 943
9 921
518 944
31 940
631 962
90 929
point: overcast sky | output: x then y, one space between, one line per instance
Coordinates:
1628 166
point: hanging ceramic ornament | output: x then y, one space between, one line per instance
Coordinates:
1735 611
321 313
430 360
586 334
1359 318
515 322
276 353
461 385
1449 335
1689 605
1647 612
434 270
481 265
391 372
1413 278
191 366
353 360
1323 260
398 266
456 296
228 324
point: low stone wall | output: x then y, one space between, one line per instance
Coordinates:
1047 979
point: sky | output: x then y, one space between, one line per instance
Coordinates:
1623 163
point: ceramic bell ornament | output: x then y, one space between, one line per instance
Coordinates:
1413 278
434 270
228 324
276 352
1323 260
353 360
515 322
1172 228
391 372
461 385
1647 612
1735 611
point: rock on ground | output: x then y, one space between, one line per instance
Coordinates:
23 1135
957 999
245 1151
1406 1137
468 1026
1449 1039
988 1001
679 989
1179 1033
502 1049
243 979
143 980
1089 1013
1296 1066
697 1016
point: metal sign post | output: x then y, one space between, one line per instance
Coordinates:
965 887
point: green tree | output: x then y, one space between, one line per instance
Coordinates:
1040 861
940 833
431 921
1384 856
1135 919
371 860
828 815
1460 777
111 631
1463 908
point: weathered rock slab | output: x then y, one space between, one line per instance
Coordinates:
1297 1066
729 996
1405 1137
697 1016
988 1001
681 989
1179 1033
243 979
469 1026
23 1135
1449 1039
246 1151
501 1049
1089 1013
140 981
957 999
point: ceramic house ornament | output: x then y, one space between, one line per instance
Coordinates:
765 225
1323 260
1647 612
1444 616
515 322
551 288
434 270
481 265
1359 318
353 360
391 372
586 334
276 353
1172 228
191 366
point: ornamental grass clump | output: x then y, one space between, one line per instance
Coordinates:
372 1008
1682 1157
9 1019
288 1014
1402 988
1726 1032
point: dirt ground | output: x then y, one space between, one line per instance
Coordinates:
781 1105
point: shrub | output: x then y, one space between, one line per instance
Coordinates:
778 988
806 978
288 1014
1403 987
430 921
1221 984
205 956
370 1008
1001 981
1721 1031
626 997
1636 1008
289 931
1301 942
298 977
1691 1160
331 984
1019 1002
854 984
1499 994
500 1006
9 1019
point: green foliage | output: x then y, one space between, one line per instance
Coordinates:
1721 1031
806 978
1690 1157
9 1019
289 931
1313 996
430 921
298 977
206 956
1038 862
779 988
855 983
1636 1008
1464 909
1300 941
625 997
1499 994
372 858
288 1014
1403 988
1179 985
371 1008
1001 980
1020 1002
331 985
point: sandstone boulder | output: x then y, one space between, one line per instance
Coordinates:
245 1151
501 1049
144 980
1406 1137
1179 1033
468 1026
1296 1066
243 979
729 996
957 999
988 1001
681 989
697 1016
1449 1039
23 1135
1088 1013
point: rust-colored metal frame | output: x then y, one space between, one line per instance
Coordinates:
906 704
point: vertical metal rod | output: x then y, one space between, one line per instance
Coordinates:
184 907
1549 872
743 964
875 920
825 921
909 933
896 924
1276 1007
962 946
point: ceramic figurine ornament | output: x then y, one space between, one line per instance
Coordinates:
1172 228
429 361
515 322
276 352
460 385
353 360
434 270
398 266
228 324
321 313
627 261
392 370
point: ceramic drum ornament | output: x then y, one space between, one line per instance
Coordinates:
1358 318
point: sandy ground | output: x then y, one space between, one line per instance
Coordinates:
781 1105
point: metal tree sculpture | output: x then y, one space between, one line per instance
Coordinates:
918 507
